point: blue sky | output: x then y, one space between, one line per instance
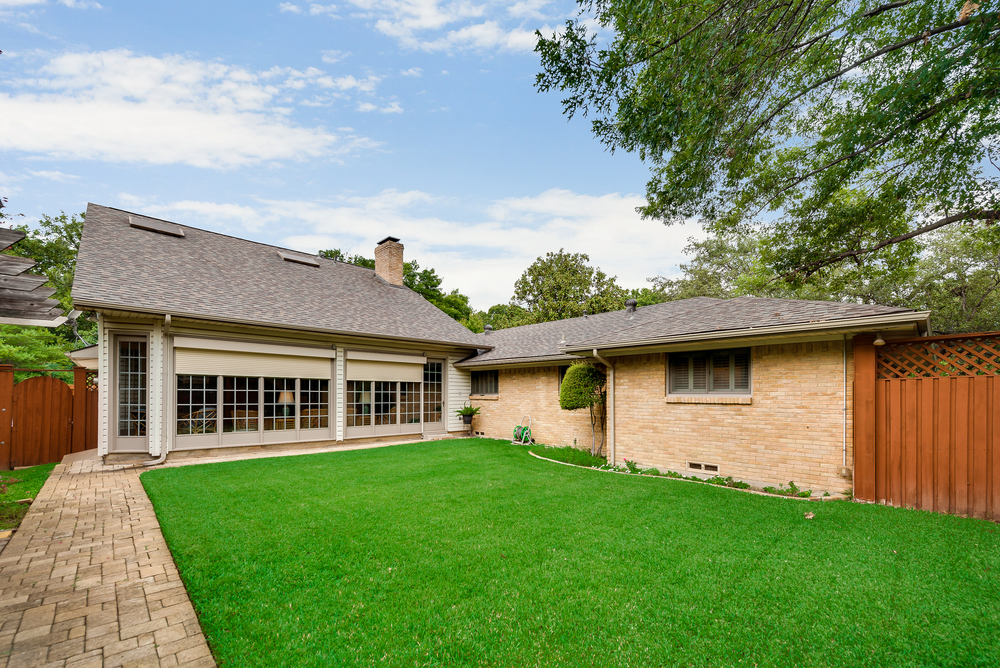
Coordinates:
322 125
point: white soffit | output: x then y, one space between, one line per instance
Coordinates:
251 347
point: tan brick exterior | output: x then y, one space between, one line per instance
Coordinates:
389 262
792 430
534 392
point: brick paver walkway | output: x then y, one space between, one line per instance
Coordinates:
88 582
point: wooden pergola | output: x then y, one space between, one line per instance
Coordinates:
23 298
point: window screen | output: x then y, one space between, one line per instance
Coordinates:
486 382
710 371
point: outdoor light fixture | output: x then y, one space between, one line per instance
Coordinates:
879 341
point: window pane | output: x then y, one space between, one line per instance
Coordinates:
433 392
699 373
384 403
741 369
197 404
680 366
721 381
314 403
409 403
279 404
240 402
131 388
485 382
359 403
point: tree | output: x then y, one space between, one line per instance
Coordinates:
498 316
53 244
760 113
562 285
425 282
583 386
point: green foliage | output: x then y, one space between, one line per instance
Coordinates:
17 485
562 285
792 490
758 113
471 552
425 282
499 316
582 387
34 347
467 410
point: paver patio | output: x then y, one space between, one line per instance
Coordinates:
87 581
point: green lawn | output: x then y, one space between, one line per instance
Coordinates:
30 480
472 553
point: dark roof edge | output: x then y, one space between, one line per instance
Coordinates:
258 323
517 360
805 328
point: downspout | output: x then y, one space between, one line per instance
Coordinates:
611 406
163 449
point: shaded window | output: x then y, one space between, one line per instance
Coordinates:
240 404
486 382
279 404
359 403
314 403
384 402
710 371
562 375
197 404
433 392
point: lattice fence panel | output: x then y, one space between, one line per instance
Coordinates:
974 356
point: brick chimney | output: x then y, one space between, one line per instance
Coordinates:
389 260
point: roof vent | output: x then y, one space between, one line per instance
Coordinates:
488 328
300 259
630 305
158 226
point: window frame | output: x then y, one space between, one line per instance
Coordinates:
475 391
710 372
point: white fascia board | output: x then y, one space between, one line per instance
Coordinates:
33 323
250 347
871 323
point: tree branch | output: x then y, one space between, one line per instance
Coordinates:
812 267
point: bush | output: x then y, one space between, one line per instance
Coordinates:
582 387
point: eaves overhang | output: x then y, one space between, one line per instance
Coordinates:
99 306
920 319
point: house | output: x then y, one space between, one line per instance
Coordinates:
753 388
207 341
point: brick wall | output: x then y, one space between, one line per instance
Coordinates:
534 392
792 430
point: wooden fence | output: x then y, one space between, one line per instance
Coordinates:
42 419
927 423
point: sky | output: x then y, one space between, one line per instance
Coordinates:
315 126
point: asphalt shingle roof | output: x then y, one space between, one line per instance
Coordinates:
217 277
698 315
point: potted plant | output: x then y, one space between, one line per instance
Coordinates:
467 412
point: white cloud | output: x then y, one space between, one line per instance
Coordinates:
482 36
75 4
54 176
367 106
393 108
528 9
333 57
289 7
319 10
483 257
412 72
117 106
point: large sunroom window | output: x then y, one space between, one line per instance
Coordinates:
197 404
314 403
722 371
240 404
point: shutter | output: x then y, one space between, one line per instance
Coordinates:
699 373
231 363
741 370
721 372
386 371
680 368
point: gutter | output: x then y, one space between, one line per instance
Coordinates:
917 317
611 405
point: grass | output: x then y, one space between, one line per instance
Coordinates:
30 481
473 553
568 454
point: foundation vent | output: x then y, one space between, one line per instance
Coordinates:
702 466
